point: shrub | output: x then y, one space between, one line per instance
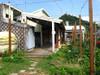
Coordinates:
97 61
16 57
72 54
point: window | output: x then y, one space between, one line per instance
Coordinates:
19 21
15 19
7 16
0 11
23 20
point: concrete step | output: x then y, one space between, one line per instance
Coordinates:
31 55
38 53
36 56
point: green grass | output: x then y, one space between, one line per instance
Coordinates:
57 64
14 63
8 67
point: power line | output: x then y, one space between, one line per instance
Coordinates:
83 5
36 2
72 3
59 7
73 7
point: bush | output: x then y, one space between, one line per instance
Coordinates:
97 61
72 54
16 57
65 70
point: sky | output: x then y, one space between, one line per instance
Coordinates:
56 8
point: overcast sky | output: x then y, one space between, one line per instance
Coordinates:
56 8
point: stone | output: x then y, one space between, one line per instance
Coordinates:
31 68
22 71
14 74
32 61
32 72
33 65
35 62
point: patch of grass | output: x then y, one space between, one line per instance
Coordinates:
14 63
8 68
57 64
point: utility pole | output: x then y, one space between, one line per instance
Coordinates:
0 12
81 50
9 29
75 36
95 28
91 38
72 35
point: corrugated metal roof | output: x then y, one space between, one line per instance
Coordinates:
72 27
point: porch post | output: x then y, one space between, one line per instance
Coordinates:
83 35
53 36
9 30
59 39
41 37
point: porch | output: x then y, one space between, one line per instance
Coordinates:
50 36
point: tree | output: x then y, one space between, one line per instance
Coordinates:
72 19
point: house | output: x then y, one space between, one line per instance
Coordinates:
36 29
69 31
51 31
98 34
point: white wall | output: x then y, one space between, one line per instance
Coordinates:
7 11
31 23
39 13
38 28
23 18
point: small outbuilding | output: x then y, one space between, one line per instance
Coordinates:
69 31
